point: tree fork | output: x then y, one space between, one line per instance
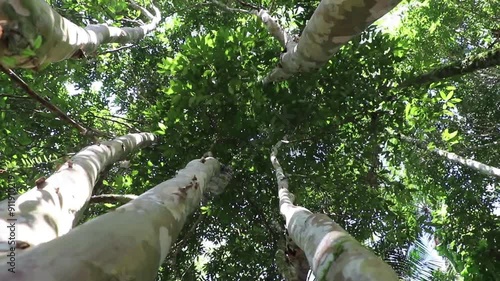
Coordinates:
129 243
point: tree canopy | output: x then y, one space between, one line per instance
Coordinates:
364 128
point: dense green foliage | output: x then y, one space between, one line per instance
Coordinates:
196 83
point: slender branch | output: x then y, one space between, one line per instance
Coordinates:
298 265
476 165
126 119
248 5
117 49
272 25
115 121
112 198
54 109
229 9
483 60
13 96
183 242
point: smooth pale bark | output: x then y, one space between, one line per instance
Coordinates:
483 60
272 25
476 165
54 206
129 243
333 24
332 253
275 29
23 21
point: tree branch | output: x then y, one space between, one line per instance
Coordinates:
473 164
13 96
229 9
483 60
273 27
117 49
129 126
54 109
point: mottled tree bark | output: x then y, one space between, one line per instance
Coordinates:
332 253
129 243
334 23
54 206
32 34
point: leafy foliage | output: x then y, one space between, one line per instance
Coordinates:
196 83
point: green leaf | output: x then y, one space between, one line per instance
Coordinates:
450 95
9 62
443 95
162 126
446 135
38 42
28 52
407 110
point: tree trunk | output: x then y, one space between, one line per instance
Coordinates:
129 243
54 206
476 165
332 253
333 24
33 34
483 60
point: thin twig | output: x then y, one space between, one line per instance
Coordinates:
116 121
229 9
248 5
117 49
183 242
14 96
112 198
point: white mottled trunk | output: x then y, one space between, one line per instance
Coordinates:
129 243
22 22
332 253
53 207
476 165
333 24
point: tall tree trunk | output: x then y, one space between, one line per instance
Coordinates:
476 165
129 243
483 60
333 24
54 206
33 34
332 253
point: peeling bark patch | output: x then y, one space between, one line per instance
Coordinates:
19 8
22 245
40 182
60 197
